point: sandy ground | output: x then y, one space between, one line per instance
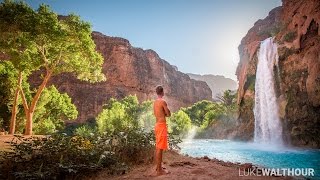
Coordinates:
185 168
8 138
3 139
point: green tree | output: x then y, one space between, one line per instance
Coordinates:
114 118
141 114
125 114
179 123
53 110
10 103
228 99
217 110
7 77
198 111
39 39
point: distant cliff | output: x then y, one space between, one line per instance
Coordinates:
129 70
218 84
295 26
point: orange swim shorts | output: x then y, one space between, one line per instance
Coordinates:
161 133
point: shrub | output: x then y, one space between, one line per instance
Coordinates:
84 131
52 110
272 30
198 110
68 157
45 126
125 114
55 157
60 156
115 118
179 123
290 36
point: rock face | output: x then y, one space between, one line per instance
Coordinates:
218 84
129 70
295 27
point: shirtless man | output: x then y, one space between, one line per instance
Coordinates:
161 111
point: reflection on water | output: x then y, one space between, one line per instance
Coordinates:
258 154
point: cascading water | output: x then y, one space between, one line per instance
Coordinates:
268 128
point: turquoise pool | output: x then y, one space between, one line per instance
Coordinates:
261 155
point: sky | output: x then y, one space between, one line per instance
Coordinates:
197 36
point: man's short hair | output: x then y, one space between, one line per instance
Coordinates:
159 90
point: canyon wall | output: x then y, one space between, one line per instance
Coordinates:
295 27
129 70
217 83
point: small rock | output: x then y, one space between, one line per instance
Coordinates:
246 166
206 157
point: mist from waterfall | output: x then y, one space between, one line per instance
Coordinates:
268 128
191 133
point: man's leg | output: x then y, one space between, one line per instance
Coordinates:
159 159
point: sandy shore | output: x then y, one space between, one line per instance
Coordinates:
185 168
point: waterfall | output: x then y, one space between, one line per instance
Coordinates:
268 128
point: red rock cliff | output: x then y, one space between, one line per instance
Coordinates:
295 27
129 70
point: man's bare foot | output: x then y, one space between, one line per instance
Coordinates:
163 166
159 173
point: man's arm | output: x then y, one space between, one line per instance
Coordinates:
166 110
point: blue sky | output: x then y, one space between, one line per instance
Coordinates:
198 36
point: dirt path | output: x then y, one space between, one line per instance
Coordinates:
185 168
3 139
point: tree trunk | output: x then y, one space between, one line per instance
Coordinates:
34 103
15 106
28 130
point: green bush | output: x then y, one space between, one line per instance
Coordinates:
272 30
290 36
60 156
84 131
197 111
179 123
209 116
117 141
52 110
125 114
45 126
